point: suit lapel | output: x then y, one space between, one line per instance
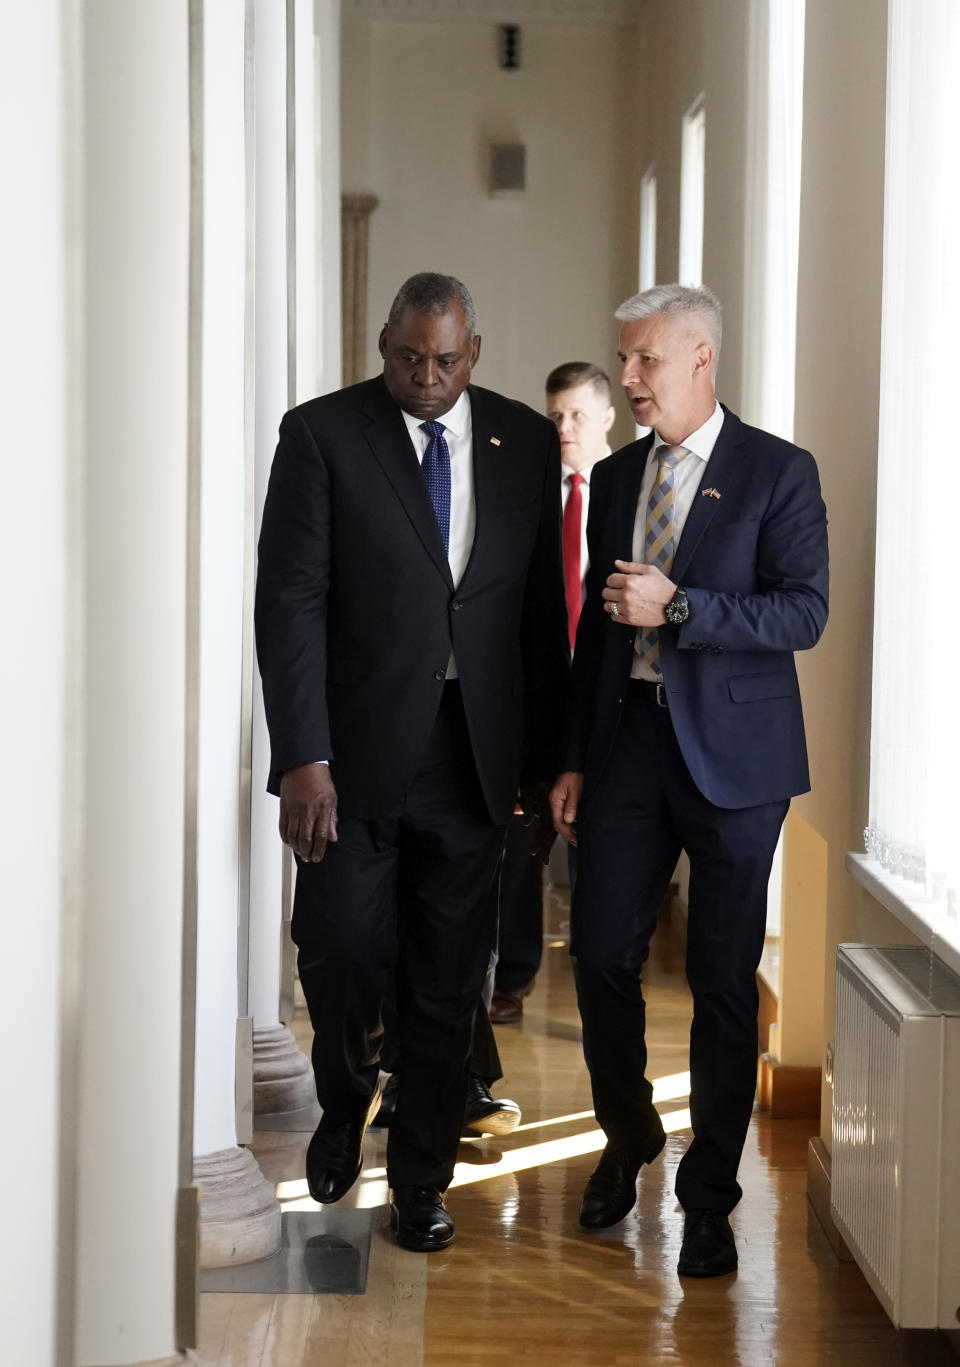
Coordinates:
487 472
722 475
387 436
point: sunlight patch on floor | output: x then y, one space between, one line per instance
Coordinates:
372 1184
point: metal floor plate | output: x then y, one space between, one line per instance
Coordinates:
322 1252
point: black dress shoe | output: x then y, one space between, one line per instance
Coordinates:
709 1248
611 1192
485 1114
420 1220
388 1103
335 1155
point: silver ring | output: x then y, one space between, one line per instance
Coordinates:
614 610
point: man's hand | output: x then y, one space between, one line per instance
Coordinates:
535 805
639 592
564 801
308 811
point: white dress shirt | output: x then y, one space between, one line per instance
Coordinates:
566 472
458 434
686 481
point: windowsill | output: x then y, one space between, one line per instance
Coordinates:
924 918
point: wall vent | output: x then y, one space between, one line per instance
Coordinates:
508 168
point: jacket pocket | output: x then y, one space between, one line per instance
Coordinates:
756 687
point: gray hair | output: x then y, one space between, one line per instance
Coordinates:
430 293
675 300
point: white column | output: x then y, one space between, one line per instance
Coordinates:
307 266
355 248
282 1076
34 570
327 170
137 198
239 1212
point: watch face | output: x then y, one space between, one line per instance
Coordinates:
678 609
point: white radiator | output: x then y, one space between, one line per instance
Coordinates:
895 1171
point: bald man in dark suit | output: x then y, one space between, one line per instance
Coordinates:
411 639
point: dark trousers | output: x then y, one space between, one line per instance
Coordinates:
484 1054
631 828
520 939
412 895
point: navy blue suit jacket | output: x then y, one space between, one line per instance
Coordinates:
754 564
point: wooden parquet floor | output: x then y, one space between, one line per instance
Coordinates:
523 1284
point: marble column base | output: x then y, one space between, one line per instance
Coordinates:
239 1210
282 1073
177 1360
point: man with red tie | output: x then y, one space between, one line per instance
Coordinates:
578 403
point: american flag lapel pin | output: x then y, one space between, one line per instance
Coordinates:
710 493
494 441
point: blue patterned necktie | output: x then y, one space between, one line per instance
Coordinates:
436 472
659 542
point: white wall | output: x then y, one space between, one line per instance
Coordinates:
421 103
33 591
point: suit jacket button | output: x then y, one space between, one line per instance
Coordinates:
440 674
455 607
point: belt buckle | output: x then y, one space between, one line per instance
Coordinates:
661 695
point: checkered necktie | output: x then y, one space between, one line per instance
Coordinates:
658 546
436 472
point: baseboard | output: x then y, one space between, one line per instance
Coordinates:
786 1091
186 1295
818 1194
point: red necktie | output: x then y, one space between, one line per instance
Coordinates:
572 518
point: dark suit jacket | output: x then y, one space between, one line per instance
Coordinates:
356 610
754 565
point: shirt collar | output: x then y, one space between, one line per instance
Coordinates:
568 470
456 419
701 442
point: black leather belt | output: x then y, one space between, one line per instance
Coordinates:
645 690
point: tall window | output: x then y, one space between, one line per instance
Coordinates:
692 163
913 836
771 240
648 229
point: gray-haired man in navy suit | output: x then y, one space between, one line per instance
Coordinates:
708 569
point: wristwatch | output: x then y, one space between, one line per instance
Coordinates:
678 609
